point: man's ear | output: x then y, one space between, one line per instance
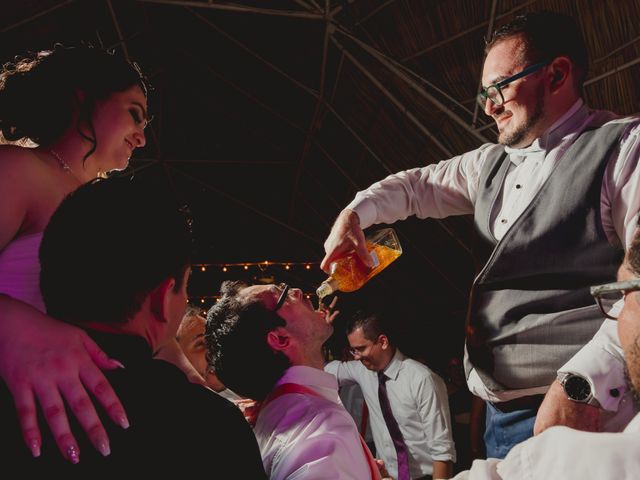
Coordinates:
560 70
278 339
384 341
160 299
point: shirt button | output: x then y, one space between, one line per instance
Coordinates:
504 220
518 186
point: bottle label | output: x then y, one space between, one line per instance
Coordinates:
374 259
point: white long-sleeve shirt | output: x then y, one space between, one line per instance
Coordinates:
451 186
561 452
419 402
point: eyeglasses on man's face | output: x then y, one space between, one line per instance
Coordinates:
362 351
494 92
608 294
284 292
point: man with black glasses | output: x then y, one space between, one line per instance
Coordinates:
569 454
265 342
554 204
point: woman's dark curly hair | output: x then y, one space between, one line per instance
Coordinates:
40 93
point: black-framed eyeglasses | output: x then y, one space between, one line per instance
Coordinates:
283 296
494 92
608 294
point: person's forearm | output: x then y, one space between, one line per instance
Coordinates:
435 191
557 409
442 469
601 361
476 427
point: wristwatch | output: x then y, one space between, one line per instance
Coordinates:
577 388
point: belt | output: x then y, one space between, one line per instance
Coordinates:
521 403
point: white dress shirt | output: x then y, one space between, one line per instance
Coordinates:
567 454
310 437
419 403
451 186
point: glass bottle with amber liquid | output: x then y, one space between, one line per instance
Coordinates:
349 273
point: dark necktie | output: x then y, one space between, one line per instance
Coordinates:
394 430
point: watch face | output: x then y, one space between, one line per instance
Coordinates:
577 388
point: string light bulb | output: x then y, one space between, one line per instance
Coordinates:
262 265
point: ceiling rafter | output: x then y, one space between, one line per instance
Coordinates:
116 24
245 205
311 6
233 7
458 35
36 16
618 69
122 42
315 119
397 103
492 18
242 46
374 12
386 61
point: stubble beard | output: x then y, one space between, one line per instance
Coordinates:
632 375
515 137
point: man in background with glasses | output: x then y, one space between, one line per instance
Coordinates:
555 201
265 342
417 398
561 452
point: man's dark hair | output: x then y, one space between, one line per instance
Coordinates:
236 339
373 325
107 246
547 35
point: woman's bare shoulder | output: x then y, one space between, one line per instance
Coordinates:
18 160
18 183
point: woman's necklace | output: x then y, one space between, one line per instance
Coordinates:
65 166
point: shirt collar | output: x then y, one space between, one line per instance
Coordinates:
393 368
567 123
309 376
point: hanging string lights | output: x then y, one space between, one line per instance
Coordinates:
225 267
246 267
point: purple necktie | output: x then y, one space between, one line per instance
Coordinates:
394 430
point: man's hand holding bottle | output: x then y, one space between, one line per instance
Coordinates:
345 236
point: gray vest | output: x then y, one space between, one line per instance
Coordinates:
530 309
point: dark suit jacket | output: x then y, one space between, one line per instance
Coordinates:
177 428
